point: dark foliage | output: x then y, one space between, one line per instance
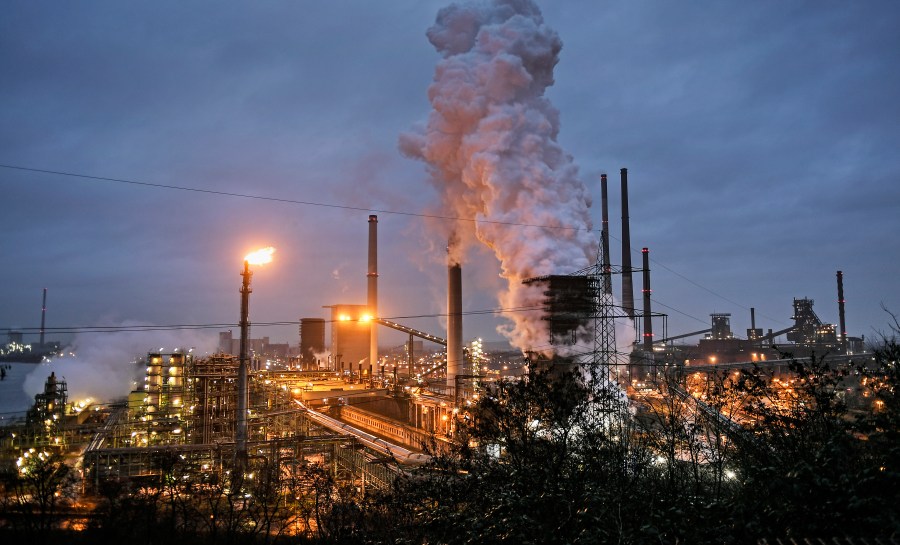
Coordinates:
543 460
538 462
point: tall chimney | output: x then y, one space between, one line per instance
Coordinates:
840 284
243 392
455 360
753 319
627 285
43 316
604 235
372 299
648 321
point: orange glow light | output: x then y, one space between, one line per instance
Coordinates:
260 257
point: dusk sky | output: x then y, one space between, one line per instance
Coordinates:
762 141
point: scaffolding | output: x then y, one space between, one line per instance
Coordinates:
187 412
49 405
213 383
45 421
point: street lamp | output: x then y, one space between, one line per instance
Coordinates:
258 257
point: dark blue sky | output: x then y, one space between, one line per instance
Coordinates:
761 140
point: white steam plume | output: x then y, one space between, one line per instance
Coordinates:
102 367
321 358
491 150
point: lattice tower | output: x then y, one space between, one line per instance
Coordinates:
605 364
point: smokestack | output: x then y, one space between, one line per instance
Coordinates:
627 285
243 393
753 319
648 321
840 286
455 360
604 234
44 316
372 299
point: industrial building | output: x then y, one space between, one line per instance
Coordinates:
807 336
221 411
351 326
570 304
261 349
312 342
188 407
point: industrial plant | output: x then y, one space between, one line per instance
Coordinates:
369 415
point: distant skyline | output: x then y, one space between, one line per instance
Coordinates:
761 141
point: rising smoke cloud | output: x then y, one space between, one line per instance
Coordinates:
490 145
103 366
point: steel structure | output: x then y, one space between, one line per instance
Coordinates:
606 357
841 315
193 418
583 302
241 428
627 283
412 333
809 330
372 293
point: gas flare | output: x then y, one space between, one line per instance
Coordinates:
261 256
491 147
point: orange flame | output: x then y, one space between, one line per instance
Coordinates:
260 257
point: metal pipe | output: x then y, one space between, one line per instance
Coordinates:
604 236
372 299
648 320
43 316
627 283
840 286
410 357
243 392
455 361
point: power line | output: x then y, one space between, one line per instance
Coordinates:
180 327
635 251
678 311
286 200
189 327
362 209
